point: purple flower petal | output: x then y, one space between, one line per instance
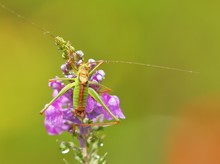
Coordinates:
90 104
112 102
57 85
54 119
98 76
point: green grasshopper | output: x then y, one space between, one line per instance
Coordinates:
80 83
81 90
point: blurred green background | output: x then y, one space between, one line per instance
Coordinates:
182 34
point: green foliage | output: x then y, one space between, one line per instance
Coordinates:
85 152
64 46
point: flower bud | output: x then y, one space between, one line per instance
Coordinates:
92 63
101 72
79 62
64 68
79 53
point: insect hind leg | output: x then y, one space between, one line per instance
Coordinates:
104 124
99 124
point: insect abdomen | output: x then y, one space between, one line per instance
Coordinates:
80 96
85 95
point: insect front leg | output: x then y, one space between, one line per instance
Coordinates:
66 88
96 67
51 80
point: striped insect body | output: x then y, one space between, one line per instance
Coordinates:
82 86
81 91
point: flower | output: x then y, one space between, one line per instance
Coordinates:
98 76
112 103
59 116
92 63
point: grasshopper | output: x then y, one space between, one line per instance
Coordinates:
81 90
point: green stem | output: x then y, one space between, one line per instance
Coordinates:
85 147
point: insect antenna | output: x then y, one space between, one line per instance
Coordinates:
13 12
59 41
150 65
